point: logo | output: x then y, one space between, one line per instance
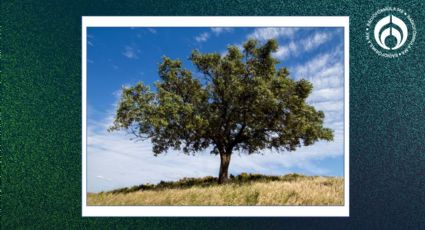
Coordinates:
391 32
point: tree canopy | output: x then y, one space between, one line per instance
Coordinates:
238 101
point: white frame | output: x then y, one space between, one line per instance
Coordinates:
245 211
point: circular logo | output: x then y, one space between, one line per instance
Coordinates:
391 32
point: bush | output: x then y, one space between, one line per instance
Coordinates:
208 181
292 177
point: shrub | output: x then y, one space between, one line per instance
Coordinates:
207 181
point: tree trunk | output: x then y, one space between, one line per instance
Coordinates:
224 167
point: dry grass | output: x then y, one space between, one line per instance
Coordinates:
302 191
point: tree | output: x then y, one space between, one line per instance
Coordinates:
235 102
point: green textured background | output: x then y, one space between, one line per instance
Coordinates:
41 117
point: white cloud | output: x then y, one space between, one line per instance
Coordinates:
284 52
202 37
316 40
152 30
327 94
89 38
326 72
219 30
330 106
269 33
131 52
296 47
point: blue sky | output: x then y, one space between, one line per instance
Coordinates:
117 57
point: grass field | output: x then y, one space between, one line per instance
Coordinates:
291 189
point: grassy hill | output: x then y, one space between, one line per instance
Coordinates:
244 189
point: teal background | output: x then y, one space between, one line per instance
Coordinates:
41 117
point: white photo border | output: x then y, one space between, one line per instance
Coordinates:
216 211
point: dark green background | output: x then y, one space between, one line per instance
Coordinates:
41 117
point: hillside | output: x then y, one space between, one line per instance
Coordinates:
245 189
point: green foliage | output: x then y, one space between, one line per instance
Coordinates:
238 101
292 177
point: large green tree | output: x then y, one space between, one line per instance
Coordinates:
234 102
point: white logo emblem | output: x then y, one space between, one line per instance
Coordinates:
399 33
390 32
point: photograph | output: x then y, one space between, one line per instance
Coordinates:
212 115
215 116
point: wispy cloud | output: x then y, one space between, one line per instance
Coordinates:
296 47
326 72
325 69
284 52
89 39
219 30
270 33
152 30
202 37
316 40
131 52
